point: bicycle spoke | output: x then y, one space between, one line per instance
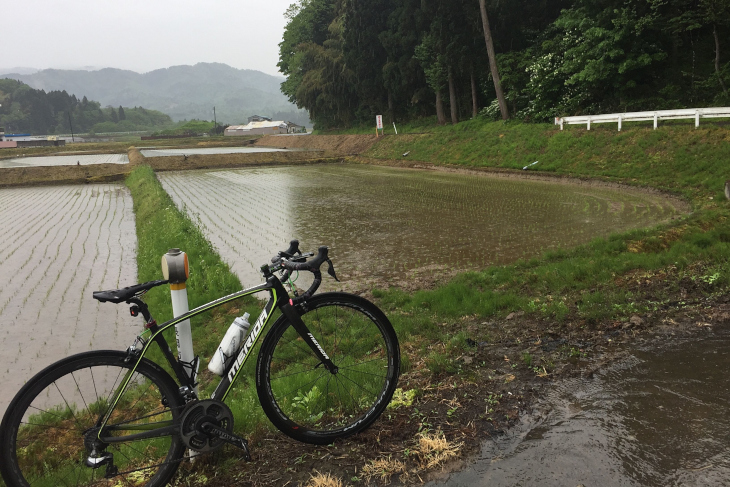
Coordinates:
297 389
279 377
93 381
352 399
67 406
359 385
61 402
80 393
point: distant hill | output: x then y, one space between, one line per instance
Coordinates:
24 109
183 92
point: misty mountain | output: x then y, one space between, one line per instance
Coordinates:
19 69
183 92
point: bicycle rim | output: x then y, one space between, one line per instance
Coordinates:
311 404
50 428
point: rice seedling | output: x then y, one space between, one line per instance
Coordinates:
410 224
50 263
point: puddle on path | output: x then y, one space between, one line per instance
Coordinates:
388 226
81 159
207 151
659 418
57 245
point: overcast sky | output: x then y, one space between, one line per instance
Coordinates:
141 35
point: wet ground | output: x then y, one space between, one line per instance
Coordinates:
389 226
658 417
57 245
79 159
206 151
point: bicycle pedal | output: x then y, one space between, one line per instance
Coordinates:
229 438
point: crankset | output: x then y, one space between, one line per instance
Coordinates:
207 425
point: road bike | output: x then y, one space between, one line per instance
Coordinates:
326 369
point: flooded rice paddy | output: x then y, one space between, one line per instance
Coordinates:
58 244
83 160
387 226
658 418
207 151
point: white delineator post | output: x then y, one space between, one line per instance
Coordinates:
175 269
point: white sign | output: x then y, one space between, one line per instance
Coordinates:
379 121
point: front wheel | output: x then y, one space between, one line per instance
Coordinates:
314 405
50 433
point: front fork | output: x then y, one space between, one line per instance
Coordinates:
287 308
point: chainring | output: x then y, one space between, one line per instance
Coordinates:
195 415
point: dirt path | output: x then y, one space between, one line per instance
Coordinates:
336 144
102 173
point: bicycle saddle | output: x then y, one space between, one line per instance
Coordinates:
120 295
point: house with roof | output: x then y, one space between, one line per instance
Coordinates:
258 128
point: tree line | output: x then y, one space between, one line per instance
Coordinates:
27 110
348 60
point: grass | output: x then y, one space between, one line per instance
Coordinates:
678 158
161 226
300 393
579 282
587 285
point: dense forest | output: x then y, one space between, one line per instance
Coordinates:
348 60
26 110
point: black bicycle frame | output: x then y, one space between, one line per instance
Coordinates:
278 298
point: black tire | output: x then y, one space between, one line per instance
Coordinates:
312 405
42 439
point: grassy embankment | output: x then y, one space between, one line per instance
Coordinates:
120 146
580 294
161 226
587 284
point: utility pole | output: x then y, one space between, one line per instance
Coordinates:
72 128
215 122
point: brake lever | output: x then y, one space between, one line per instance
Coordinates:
331 270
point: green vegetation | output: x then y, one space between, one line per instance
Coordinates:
25 110
183 92
345 62
192 128
678 158
595 282
210 279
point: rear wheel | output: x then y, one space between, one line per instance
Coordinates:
314 405
50 432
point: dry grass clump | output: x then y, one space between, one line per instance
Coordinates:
434 449
323 480
383 468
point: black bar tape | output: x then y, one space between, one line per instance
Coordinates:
312 266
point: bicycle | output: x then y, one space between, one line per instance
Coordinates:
327 368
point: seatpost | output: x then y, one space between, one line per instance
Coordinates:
175 269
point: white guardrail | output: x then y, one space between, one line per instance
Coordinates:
686 113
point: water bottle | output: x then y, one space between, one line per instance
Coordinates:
230 344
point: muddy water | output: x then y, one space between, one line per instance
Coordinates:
83 160
57 245
387 225
658 418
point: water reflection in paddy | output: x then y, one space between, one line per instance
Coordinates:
383 224
61 160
